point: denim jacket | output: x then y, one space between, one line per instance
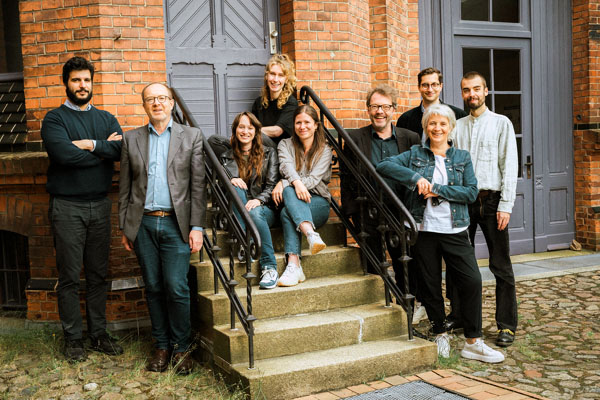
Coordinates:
419 162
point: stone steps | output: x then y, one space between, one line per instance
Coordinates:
313 295
313 372
331 261
276 337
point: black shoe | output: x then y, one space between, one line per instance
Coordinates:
505 338
106 344
453 325
74 351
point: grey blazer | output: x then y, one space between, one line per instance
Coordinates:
185 175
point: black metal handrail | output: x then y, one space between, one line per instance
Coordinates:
224 200
377 199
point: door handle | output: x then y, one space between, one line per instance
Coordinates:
528 165
273 36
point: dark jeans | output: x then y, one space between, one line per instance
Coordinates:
483 213
264 218
81 236
374 242
165 261
460 258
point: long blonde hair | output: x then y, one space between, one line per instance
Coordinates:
319 141
287 66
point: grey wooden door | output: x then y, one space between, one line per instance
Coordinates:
216 55
523 48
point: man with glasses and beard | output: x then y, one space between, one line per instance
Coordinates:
82 144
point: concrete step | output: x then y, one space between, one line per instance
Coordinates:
313 295
302 374
276 337
333 260
332 233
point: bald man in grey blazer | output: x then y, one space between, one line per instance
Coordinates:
162 208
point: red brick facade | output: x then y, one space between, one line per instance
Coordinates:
586 114
341 49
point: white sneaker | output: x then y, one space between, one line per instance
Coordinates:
419 314
443 345
482 352
268 278
292 275
315 243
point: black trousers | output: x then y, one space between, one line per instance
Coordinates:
81 237
483 213
457 252
374 241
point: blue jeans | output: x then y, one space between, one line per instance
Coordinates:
165 261
264 219
296 211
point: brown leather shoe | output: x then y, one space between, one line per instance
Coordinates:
183 363
159 362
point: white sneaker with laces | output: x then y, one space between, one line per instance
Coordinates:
268 278
315 243
443 345
482 352
419 314
292 275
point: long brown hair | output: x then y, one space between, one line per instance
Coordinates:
319 141
257 154
287 66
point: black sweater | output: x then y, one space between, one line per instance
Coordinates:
282 117
73 173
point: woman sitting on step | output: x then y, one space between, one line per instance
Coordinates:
441 183
254 172
305 167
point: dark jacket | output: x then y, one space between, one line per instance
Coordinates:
412 118
461 190
362 138
257 189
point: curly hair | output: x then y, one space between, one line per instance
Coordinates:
257 154
76 64
319 141
287 66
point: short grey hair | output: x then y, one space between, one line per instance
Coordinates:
441 110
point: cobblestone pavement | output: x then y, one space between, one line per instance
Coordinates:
556 353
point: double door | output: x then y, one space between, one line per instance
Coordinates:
523 50
216 55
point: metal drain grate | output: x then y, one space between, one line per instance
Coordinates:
416 390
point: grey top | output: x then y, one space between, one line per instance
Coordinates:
316 179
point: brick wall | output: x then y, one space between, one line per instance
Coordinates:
586 114
125 41
343 48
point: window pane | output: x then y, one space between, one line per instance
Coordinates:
505 11
477 60
475 10
510 105
506 70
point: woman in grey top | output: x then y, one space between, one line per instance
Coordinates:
305 168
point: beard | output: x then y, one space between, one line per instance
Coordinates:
78 101
474 105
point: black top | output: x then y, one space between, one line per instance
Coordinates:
272 116
412 118
76 174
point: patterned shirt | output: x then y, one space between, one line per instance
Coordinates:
490 138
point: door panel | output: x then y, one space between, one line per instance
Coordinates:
504 63
216 54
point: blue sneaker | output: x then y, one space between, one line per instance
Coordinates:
268 279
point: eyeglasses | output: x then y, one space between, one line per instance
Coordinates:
160 99
434 86
384 107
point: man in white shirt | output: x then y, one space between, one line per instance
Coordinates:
490 138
